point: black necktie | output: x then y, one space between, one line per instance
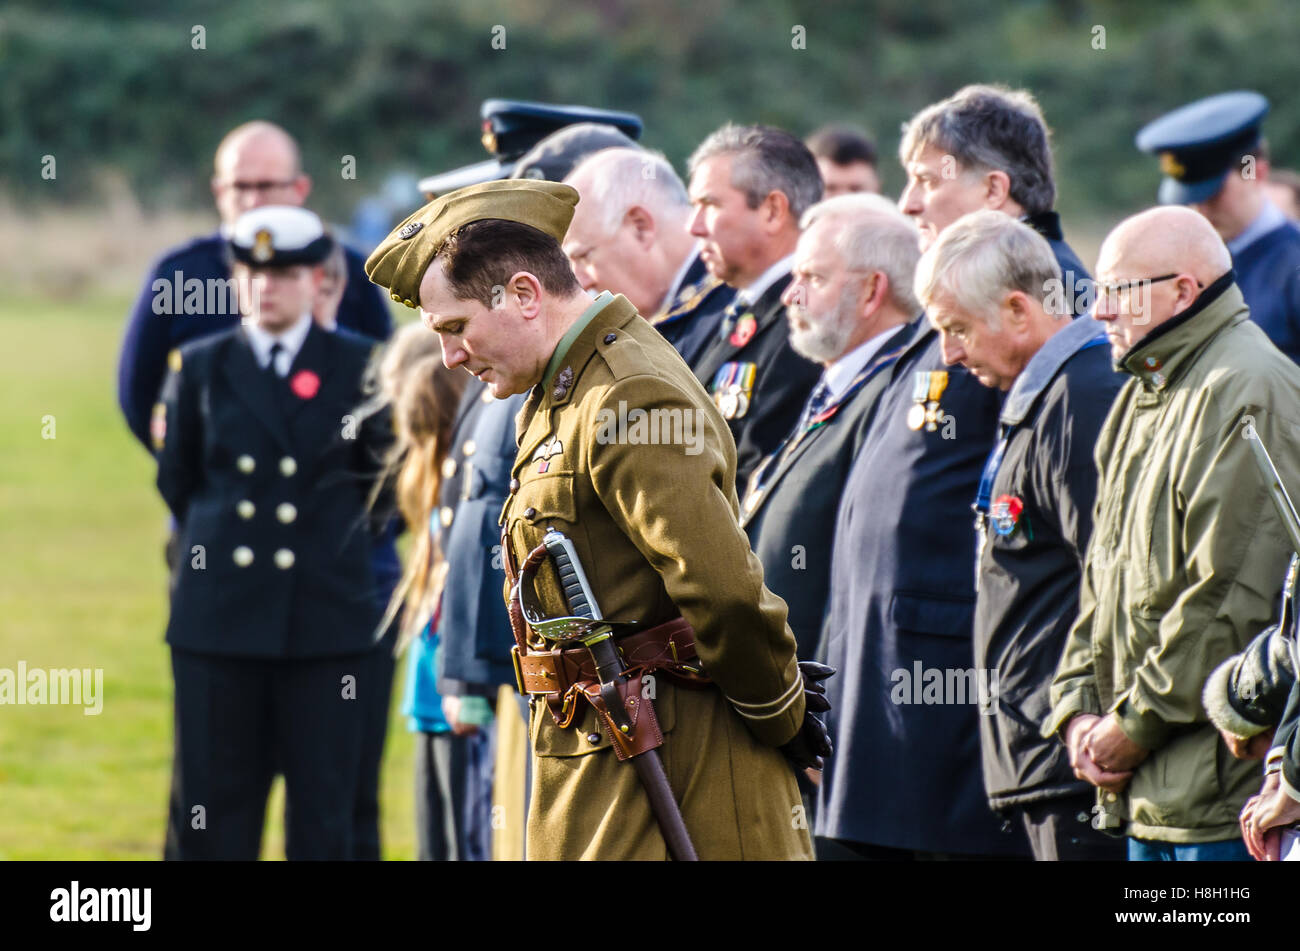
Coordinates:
729 317
276 349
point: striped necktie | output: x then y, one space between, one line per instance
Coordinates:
820 399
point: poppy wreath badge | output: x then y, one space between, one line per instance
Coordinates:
305 384
1005 514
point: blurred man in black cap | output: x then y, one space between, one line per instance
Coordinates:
274 606
628 235
1212 157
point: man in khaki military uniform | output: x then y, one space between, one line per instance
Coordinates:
621 450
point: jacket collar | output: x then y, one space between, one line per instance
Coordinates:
1046 363
1164 353
610 319
1046 223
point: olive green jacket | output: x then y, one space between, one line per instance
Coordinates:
1186 559
621 449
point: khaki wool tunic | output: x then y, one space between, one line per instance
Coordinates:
621 449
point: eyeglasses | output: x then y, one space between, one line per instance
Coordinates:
1115 287
257 186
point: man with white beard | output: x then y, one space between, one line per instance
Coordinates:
847 305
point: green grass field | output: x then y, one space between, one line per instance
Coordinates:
83 585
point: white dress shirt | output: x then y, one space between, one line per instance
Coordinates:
290 342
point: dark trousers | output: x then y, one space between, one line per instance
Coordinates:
1060 830
377 694
237 720
439 796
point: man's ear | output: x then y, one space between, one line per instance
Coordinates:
526 291
997 185
774 211
643 226
302 187
1015 310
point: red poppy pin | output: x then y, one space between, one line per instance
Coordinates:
744 331
305 384
1005 514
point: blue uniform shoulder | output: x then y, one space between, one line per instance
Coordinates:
206 249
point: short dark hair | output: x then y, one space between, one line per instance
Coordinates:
990 128
767 160
842 144
484 254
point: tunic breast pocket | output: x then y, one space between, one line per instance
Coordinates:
543 502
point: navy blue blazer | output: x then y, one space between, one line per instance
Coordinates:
691 321
269 482
151 335
1268 273
790 505
475 631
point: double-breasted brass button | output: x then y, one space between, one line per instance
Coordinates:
469 447
246 509
286 512
288 466
245 463
445 516
284 558
448 467
243 556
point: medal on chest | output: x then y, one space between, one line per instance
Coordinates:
1004 514
733 389
927 388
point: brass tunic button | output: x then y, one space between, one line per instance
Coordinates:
288 466
445 516
245 464
284 558
286 512
243 556
245 509
593 738
514 486
469 447
448 467
610 338
530 512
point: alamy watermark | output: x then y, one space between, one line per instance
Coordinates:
653 427
945 686
76 686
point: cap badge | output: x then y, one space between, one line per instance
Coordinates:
562 383
410 230
1170 165
262 250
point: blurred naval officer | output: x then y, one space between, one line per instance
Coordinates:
1211 154
273 607
186 293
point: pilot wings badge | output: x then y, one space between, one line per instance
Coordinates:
552 447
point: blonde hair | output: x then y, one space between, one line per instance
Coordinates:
410 378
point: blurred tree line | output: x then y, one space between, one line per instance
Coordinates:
147 87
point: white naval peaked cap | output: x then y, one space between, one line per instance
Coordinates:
279 236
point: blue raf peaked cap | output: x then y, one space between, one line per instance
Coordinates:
1200 143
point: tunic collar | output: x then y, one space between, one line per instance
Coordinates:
570 335
1270 218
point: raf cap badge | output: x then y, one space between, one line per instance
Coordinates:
410 230
927 388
